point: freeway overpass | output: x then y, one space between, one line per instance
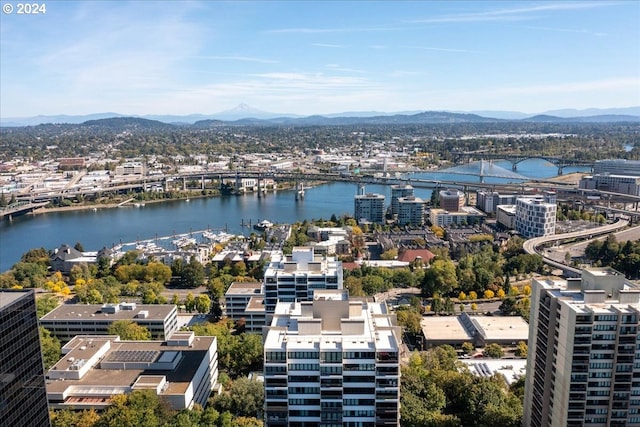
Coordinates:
19 208
531 246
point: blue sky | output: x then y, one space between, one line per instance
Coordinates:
305 57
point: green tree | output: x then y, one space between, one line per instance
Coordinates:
45 304
493 350
129 330
203 304
50 348
440 278
468 348
193 274
143 408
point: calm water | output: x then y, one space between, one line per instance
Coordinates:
108 227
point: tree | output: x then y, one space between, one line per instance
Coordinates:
189 302
440 278
521 350
493 350
468 348
244 398
508 306
193 274
389 254
78 246
129 330
50 348
45 304
203 304
142 408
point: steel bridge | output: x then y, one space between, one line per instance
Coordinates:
515 159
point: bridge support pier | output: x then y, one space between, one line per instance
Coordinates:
560 170
514 167
184 184
202 182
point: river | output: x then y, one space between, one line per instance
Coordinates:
108 227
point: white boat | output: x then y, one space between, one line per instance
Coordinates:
263 225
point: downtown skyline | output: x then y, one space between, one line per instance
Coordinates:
304 58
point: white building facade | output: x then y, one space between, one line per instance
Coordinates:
295 277
369 208
535 217
333 361
411 211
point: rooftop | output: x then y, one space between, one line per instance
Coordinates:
8 297
123 311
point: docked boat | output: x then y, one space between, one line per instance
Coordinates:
263 225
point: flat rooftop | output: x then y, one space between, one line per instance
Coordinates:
8 297
85 347
443 328
68 312
503 327
244 288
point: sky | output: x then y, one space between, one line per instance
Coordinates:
317 57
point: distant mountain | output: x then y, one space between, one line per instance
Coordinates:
244 111
591 112
245 115
120 124
63 118
605 118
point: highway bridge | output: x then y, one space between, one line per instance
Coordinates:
140 183
19 208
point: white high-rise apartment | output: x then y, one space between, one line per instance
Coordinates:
584 352
398 191
535 217
331 362
411 211
369 207
295 277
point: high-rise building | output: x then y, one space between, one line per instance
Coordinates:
333 361
584 350
294 277
535 217
369 207
23 397
451 200
411 211
398 191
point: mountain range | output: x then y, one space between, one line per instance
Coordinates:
244 114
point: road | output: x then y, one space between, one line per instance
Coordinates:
557 253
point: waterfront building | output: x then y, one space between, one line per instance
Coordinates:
488 201
370 208
68 320
64 258
23 398
332 361
506 216
130 168
624 184
583 352
451 200
411 211
465 216
398 191
182 370
535 217
245 300
617 167
295 277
